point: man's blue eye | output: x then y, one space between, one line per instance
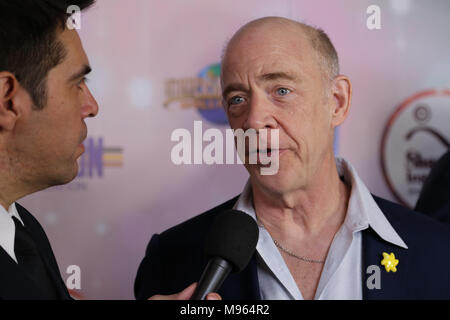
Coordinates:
283 91
236 100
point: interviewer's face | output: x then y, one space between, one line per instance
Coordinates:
51 139
271 79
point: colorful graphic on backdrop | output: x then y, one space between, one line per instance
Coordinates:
202 93
416 136
96 157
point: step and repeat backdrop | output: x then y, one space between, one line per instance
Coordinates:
155 70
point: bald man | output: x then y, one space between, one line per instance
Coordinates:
323 235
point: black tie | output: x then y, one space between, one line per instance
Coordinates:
31 261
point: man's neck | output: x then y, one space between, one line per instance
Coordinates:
322 205
5 203
11 189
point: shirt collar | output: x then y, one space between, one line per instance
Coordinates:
12 212
244 202
362 210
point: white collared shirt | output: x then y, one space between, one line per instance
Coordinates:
8 229
341 276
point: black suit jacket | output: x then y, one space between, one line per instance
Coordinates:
174 259
15 284
434 199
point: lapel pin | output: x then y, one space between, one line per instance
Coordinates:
389 262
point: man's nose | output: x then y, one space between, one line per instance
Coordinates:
90 105
260 114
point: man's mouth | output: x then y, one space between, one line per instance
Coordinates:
81 146
263 156
267 151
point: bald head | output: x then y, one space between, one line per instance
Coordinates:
277 27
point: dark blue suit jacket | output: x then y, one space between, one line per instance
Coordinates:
434 199
174 259
15 284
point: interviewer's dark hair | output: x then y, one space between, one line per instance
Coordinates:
29 47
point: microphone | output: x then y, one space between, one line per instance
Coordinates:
229 246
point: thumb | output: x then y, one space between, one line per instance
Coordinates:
213 296
187 293
183 295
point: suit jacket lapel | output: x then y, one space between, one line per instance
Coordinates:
392 284
45 251
14 282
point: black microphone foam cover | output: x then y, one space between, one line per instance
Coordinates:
233 237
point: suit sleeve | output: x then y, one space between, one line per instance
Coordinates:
149 275
436 189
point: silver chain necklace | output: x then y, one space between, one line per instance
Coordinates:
288 251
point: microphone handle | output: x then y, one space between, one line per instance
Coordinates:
212 278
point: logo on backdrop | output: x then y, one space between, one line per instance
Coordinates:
97 157
202 93
416 136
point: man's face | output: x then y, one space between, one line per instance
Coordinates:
271 79
49 141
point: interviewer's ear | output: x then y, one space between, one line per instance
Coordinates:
342 98
9 88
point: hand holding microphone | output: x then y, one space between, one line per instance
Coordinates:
230 244
185 295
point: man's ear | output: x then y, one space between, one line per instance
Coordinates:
9 88
342 98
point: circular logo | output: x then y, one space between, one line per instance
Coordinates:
213 110
416 136
422 113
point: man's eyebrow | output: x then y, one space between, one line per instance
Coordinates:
233 87
265 77
86 69
278 75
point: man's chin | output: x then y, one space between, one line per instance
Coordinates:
52 179
279 183
68 176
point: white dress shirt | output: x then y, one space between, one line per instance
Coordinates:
341 277
8 229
